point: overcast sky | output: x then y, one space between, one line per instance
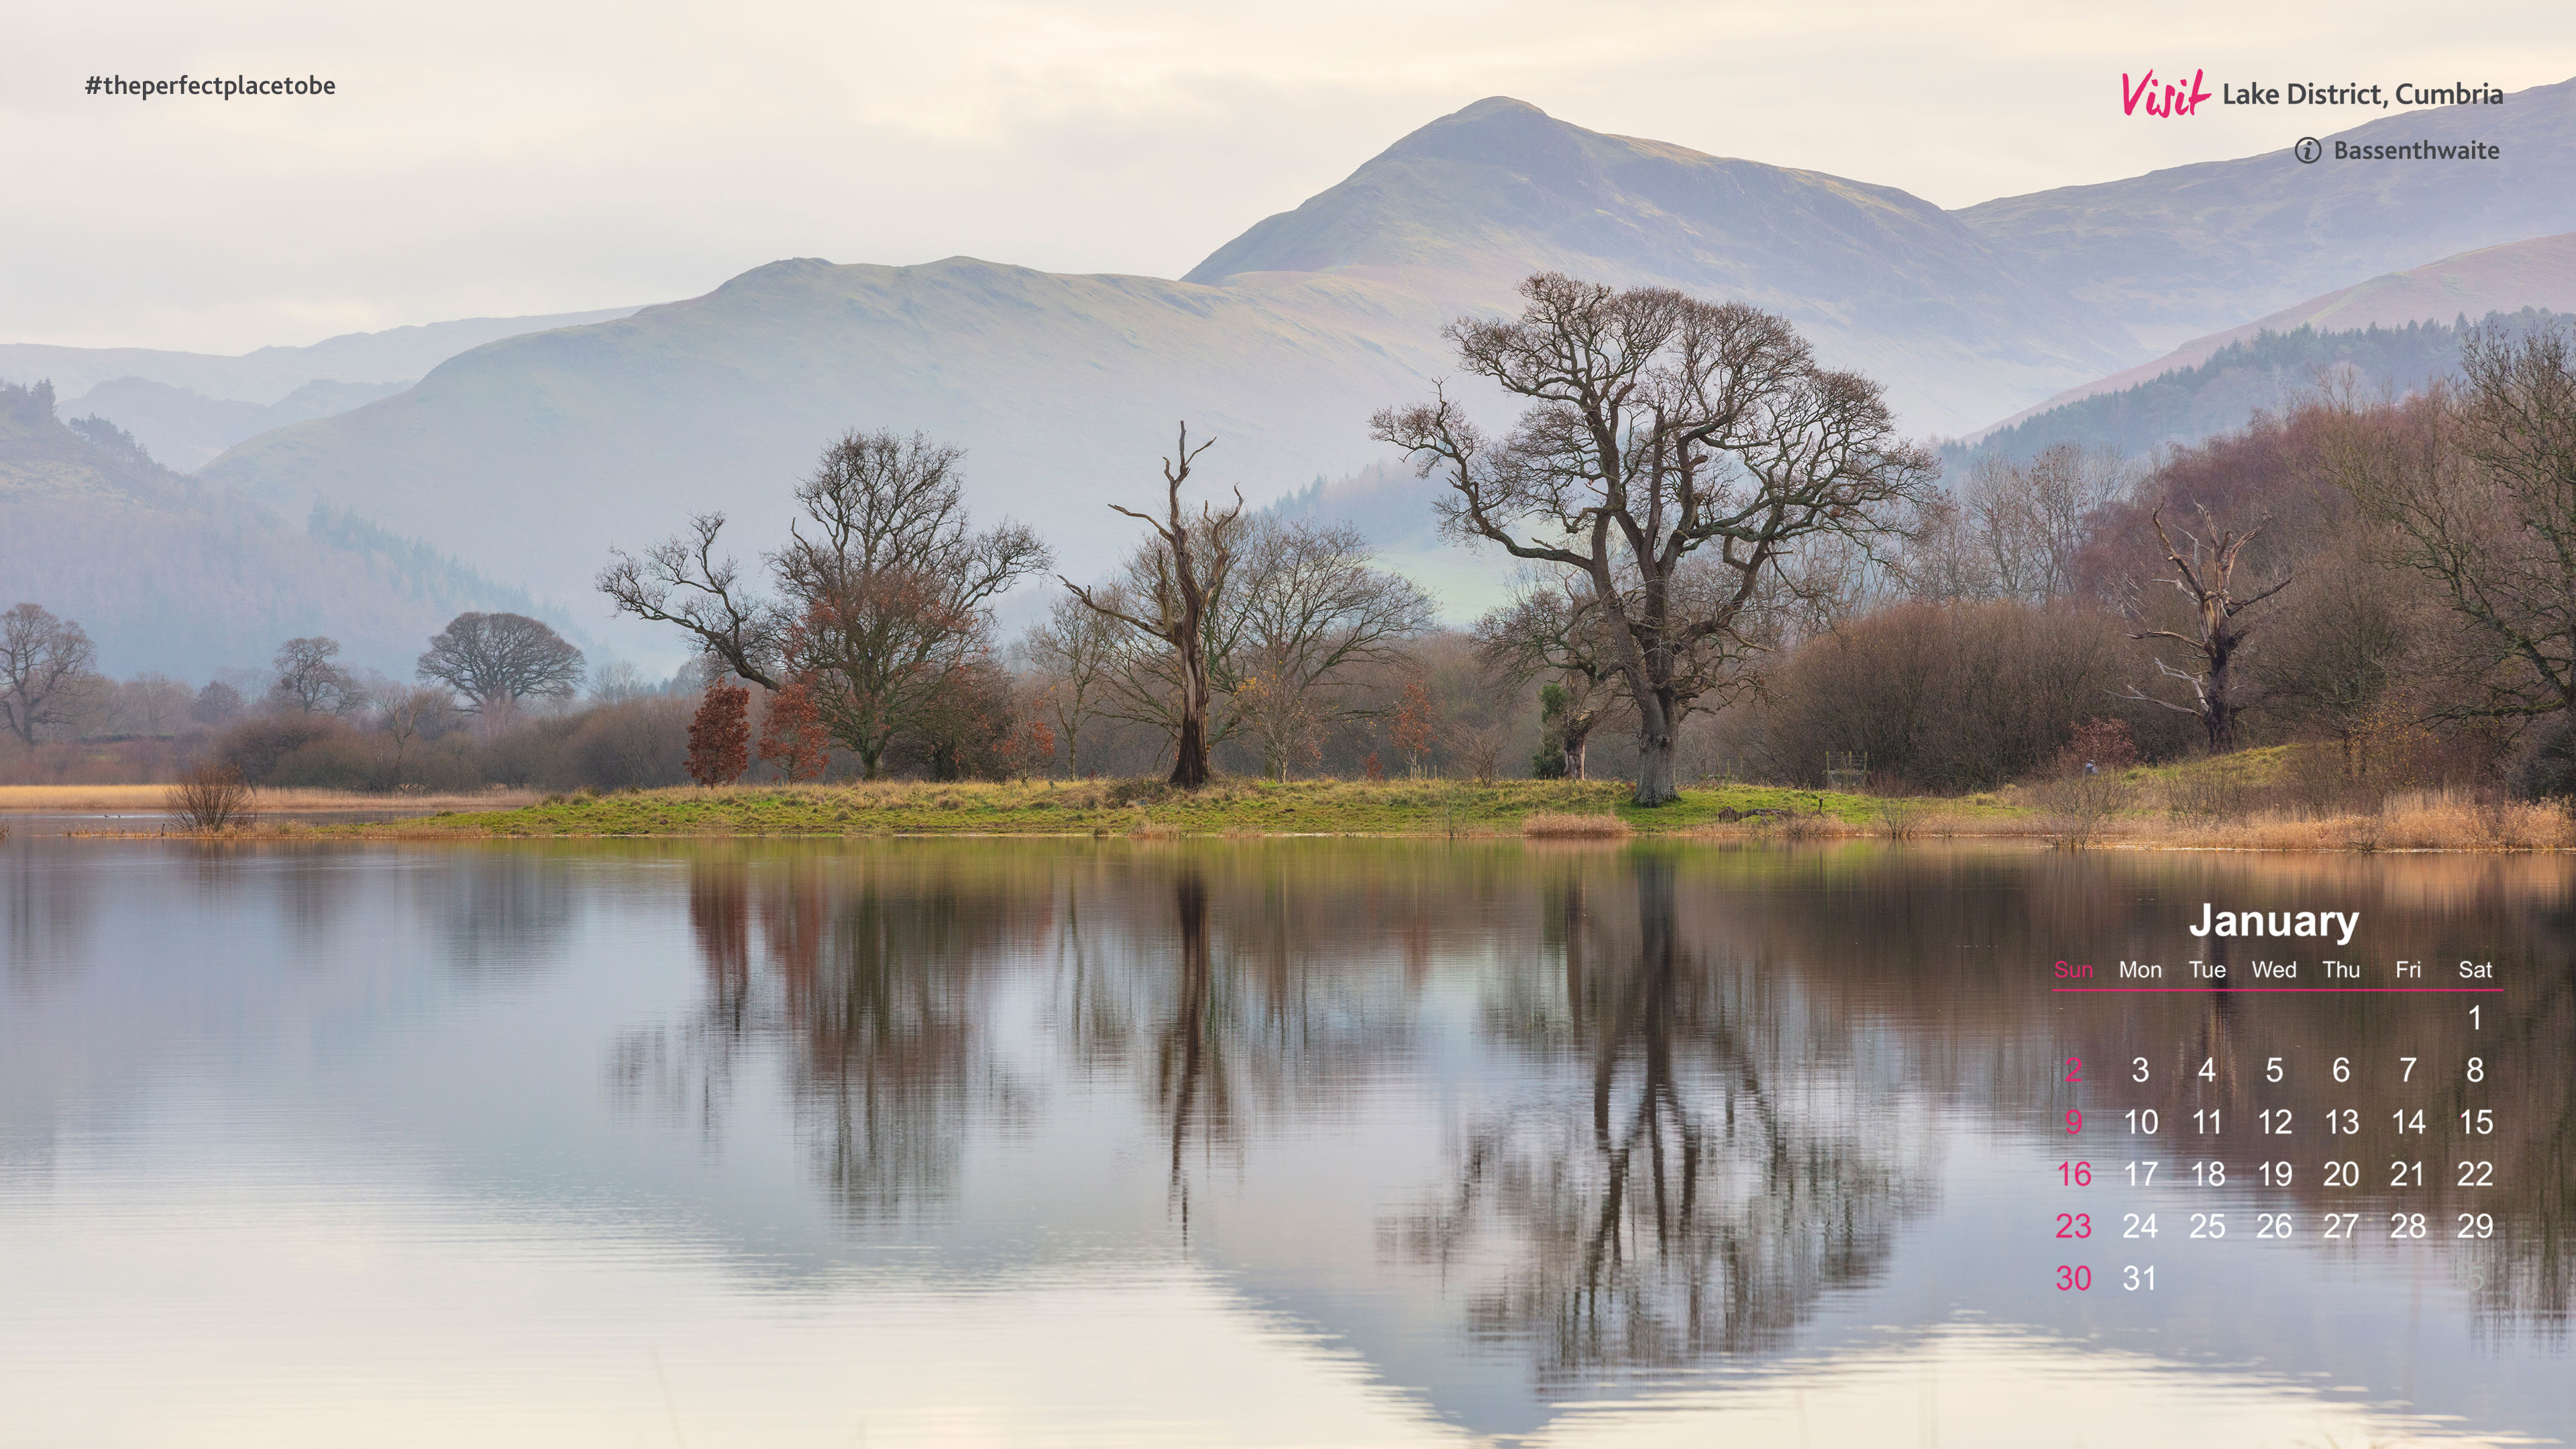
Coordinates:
486 158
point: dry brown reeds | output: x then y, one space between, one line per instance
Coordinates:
209 798
1559 825
2410 820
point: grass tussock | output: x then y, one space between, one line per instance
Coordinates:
1563 825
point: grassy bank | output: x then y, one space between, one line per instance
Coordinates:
2245 801
1129 807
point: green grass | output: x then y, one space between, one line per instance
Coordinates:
1338 807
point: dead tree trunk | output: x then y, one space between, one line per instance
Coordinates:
1189 575
2207 577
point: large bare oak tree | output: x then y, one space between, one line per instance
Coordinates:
495 660
1661 430
46 671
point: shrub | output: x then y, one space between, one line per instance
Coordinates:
210 797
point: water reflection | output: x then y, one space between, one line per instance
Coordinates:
1730 1166
1538 1139
1716 1079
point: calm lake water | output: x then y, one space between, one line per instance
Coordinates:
1298 1142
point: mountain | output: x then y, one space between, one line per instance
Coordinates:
2537 273
268 375
169 575
1882 281
531 456
2195 249
185 429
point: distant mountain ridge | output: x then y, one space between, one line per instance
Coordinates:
2540 272
185 429
268 375
168 575
1881 280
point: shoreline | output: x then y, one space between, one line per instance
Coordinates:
1551 812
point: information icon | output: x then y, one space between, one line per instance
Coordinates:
2308 150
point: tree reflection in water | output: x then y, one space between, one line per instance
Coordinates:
1190 1069
1720 1173
1705 1082
870 1001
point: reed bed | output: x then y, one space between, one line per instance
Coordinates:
154 799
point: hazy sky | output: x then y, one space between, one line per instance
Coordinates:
486 158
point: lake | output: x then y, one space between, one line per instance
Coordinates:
1288 1142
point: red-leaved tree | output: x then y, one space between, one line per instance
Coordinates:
720 735
791 733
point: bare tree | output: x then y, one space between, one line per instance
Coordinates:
1660 426
1192 565
2478 491
2030 520
309 680
409 717
1555 626
149 704
1309 611
884 589
492 658
46 672
2205 575
1076 648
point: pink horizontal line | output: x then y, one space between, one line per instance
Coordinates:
2276 988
